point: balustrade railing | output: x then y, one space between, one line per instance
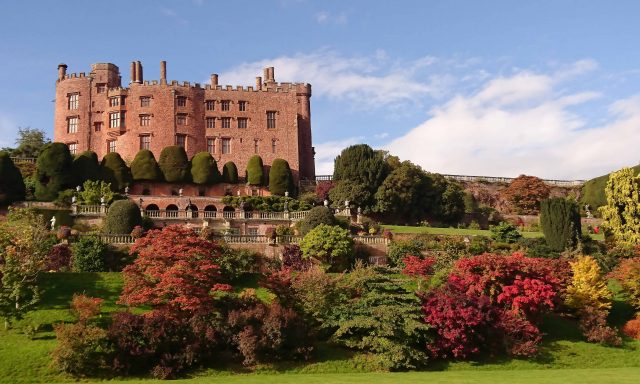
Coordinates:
91 210
494 179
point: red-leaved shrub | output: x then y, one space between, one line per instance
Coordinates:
632 328
84 307
292 258
59 258
417 267
593 324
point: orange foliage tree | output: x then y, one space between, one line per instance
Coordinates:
525 193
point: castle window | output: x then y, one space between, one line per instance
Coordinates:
226 146
114 101
225 105
145 101
72 125
97 126
209 105
145 120
181 119
111 146
145 141
271 119
73 100
211 122
73 148
101 88
226 122
274 144
116 119
255 145
211 146
242 106
181 140
182 101
242 122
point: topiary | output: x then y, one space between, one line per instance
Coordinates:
12 187
122 217
560 220
54 171
255 170
315 217
145 167
89 254
230 173
86 167
204 169
115 171
280 177
174 164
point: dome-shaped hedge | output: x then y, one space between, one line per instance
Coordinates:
86 167
145 167
280 178
115 171
174 164
122 217
204 169
54 171
230 173
11 184
255 171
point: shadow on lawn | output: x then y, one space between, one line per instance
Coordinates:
59 288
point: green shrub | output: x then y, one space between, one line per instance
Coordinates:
145 167
230 173
115 171
560 220
122 216
315 217
174 164
89 254
255 170
204 169
505 232
12 186
400 249
86 167
537 247
54 171
331 245
236 262
280 178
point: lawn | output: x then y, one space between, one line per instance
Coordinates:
460 231
564 355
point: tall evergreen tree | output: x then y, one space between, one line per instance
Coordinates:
621 215
174 164
86 167
145 167
12 186
54 171
560 221
204 169
115 171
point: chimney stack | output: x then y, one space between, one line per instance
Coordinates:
259 83
214 80
139 76
62 71
272 76
265 75
133 72
163 72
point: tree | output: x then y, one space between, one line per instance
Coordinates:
255 170
331 245
560 221
505 233
175 272
89 254
363 166
174 164
280 178
204 169
24 246
451 207
54 171
115 171
12 187
30 142
621 215
122 217
93 192
230 173
402 195
628 274
347 190
588 286
315 217
145 167
525 193
86 167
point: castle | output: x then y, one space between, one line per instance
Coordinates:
273 120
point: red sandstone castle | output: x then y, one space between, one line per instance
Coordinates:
95 112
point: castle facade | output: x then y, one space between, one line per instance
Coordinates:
273 120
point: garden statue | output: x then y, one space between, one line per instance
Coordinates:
53 223
180 192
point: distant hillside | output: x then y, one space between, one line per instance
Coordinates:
593 191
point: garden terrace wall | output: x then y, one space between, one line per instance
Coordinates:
195 190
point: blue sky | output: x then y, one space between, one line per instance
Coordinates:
549 88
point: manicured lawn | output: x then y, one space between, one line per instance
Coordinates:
564 356
460 231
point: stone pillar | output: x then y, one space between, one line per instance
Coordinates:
163 72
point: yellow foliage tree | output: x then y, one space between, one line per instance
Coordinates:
588 287
621 215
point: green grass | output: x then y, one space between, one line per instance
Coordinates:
564 356
460 231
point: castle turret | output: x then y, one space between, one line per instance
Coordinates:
62 71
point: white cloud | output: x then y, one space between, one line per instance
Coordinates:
382 135
367 81
327 152
325 17
524 123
